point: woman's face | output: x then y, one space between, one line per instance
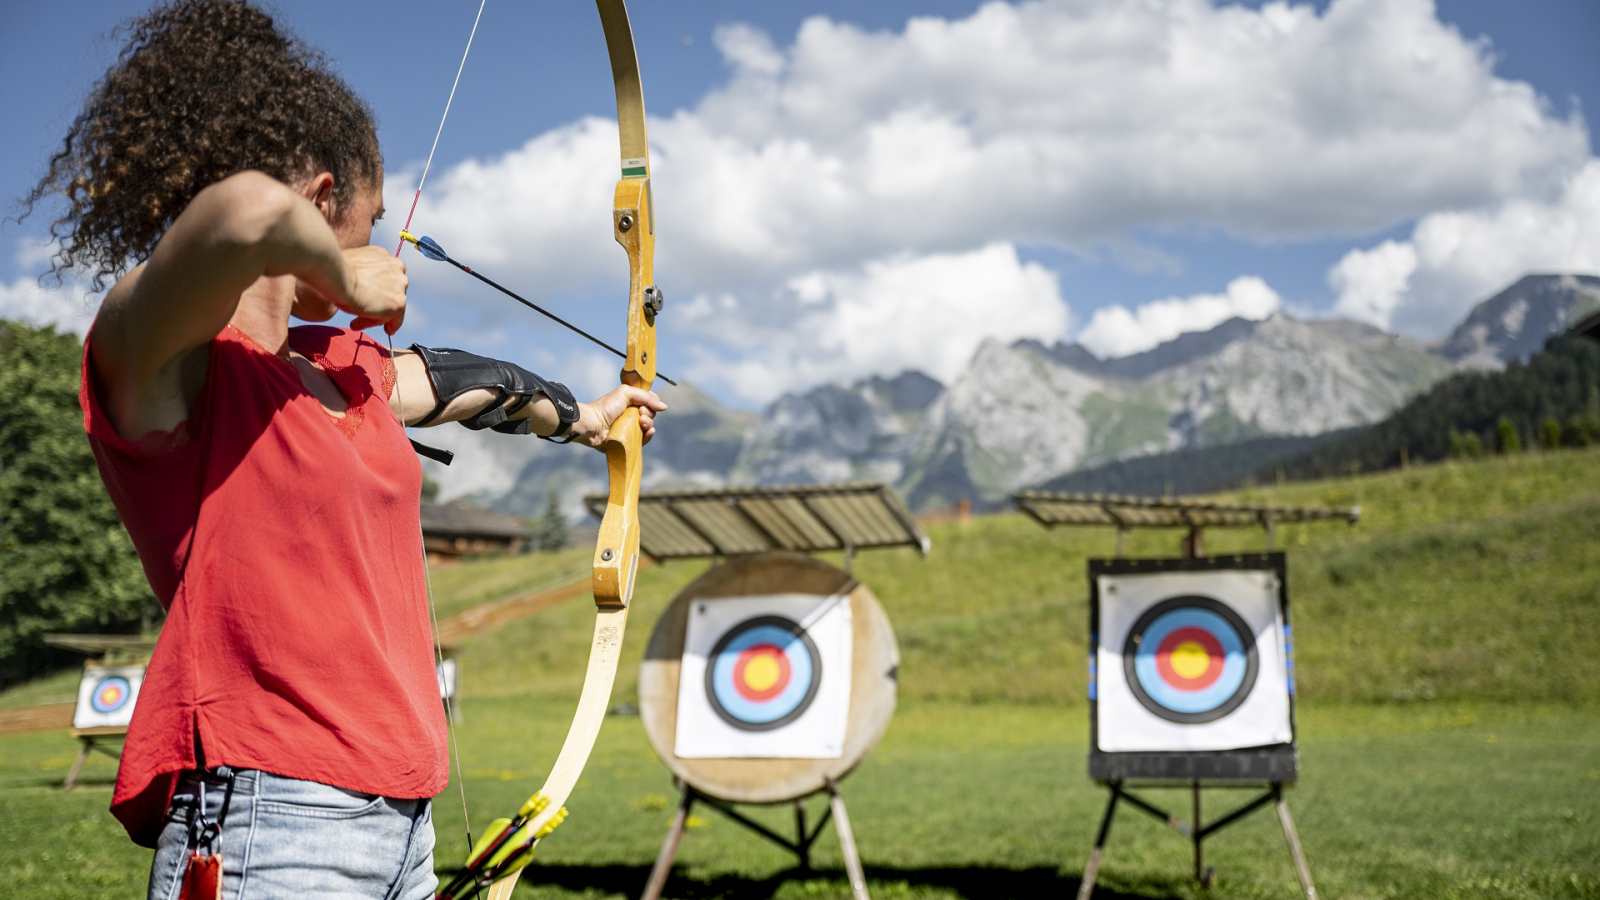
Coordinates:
352 225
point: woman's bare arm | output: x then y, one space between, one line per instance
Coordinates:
152 330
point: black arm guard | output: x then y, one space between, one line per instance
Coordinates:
454 372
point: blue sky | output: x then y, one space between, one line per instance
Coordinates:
842 193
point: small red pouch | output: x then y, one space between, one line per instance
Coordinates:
202 880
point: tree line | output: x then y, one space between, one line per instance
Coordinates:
1550 402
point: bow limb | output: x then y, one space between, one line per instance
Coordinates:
616 559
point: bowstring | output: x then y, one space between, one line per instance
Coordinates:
452 723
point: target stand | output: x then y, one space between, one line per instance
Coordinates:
773 674
106 697
1191 671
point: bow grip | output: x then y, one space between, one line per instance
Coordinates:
616 555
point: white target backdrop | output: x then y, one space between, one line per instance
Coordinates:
1191 661
106 696
765 677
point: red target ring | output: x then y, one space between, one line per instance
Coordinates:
1190 659
761 672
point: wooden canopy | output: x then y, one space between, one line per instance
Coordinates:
1122 512
740 521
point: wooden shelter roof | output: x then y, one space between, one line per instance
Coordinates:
1125 512
738 521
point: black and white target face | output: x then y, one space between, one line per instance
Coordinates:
763 674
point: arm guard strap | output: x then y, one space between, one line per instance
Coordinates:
454 372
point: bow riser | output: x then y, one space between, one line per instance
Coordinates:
616 558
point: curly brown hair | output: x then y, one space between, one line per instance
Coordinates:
203 89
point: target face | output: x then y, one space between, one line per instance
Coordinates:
110 695
763 674
764 677
107 696
1190 660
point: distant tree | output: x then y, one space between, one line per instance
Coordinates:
550 533
1465 445
430 490
1583 430
1507 441
67 564
1550 434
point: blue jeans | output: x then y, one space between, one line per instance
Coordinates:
286 839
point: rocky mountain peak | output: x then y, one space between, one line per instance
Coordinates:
1180 350
1515 323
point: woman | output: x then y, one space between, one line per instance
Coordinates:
289 721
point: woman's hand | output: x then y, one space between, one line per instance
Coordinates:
594 419
375 283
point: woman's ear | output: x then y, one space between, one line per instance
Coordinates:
319 190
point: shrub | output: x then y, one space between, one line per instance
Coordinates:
1465 445
1506 438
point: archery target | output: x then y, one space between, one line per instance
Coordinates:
763 673
765 677
1191 660
106 696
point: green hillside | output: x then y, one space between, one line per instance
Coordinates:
1561 383
1450 737
1470 581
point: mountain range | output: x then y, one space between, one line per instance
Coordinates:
1025 414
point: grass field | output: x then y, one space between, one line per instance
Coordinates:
1450 734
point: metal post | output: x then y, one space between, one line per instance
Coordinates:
800 834
77 765
1199 861
847 844
669 849
1300 867
1092 870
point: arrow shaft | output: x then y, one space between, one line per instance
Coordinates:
542 311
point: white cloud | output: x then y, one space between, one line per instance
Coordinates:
1370 283
927 312
1116 331
67 307
1454 260
1072 124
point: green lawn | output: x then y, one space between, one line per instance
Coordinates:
1450 738
1449 800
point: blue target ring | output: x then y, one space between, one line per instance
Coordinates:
1190 660
763 674
110 694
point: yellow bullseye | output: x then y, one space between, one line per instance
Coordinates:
761 672
1189 660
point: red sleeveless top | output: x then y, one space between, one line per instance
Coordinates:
285 545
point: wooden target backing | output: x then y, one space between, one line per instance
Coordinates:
874 674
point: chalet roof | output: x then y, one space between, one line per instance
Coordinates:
459 519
